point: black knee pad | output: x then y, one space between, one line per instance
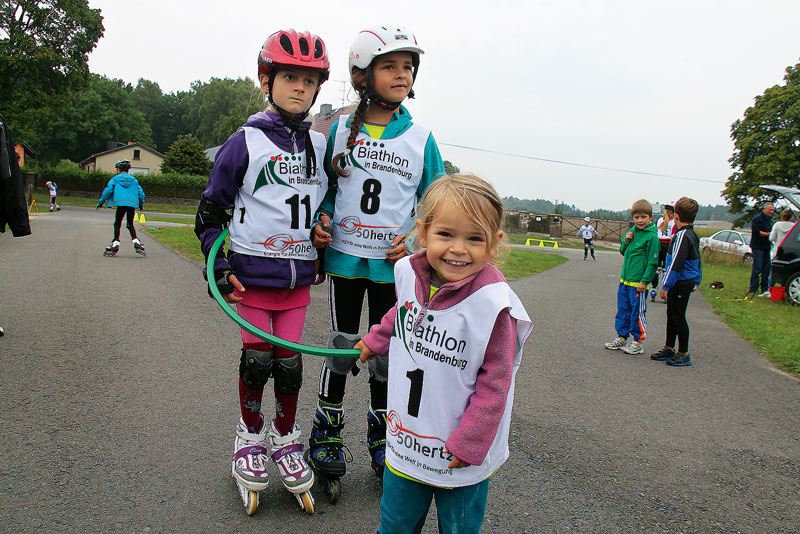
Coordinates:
255 367
288 373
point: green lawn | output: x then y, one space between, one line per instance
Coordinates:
769 325
43 200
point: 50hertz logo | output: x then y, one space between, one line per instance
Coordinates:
352 224
280 242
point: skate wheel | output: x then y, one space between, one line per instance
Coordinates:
306 502
334 490
252 502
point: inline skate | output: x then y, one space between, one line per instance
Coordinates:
376 439
287 453
112 249
326 452
138 247
249 463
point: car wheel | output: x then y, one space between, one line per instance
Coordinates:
748 259
793 289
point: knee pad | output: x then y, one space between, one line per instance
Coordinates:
379 368
288 373
341 340
255 367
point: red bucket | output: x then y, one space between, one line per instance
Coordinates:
777 293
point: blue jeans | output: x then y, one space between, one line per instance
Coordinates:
405 504
761 268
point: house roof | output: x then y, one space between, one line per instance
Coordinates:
27 148
120 148
322 123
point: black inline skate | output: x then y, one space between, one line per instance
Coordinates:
112 249
376 439
326 452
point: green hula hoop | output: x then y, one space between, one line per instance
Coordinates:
266 336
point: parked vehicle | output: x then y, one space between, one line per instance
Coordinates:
731 242
786 263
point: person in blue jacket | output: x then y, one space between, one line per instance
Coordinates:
682 276
379 163
124 192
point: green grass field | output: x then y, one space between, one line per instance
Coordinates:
769 325
43 200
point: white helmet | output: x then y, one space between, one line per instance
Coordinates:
382 39
587 219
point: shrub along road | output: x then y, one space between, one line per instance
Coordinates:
119 402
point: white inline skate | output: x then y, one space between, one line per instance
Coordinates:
138 247
250 464
112 249
287 453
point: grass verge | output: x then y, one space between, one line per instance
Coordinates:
521 239
771 326
43 200
517 263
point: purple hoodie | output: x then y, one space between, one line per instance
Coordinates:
227 176
473 437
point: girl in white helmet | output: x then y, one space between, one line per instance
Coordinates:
379 163
587 231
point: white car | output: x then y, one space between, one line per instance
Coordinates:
729 242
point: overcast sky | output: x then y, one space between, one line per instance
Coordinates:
636 85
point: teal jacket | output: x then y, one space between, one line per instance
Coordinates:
377 270
641 255
122 190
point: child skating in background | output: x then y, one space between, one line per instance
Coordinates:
52 189
683 273
379 163
269 174
454 342
587 231
640 247
124 192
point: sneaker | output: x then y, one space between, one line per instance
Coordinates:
764 294
681 359
633 348
616 344
664 354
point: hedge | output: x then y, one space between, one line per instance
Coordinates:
155 185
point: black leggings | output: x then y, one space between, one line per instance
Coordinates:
677 302
346 298
124 211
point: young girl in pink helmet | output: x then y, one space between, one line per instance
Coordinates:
269 174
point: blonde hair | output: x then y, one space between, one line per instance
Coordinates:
786 215
642 206
470 195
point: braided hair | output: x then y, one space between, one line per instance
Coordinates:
358 80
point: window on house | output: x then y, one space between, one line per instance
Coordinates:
137 154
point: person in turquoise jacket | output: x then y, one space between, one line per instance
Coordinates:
124 192
640 247
379 163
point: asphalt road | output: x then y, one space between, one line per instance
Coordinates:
118 404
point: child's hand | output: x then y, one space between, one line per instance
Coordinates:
663 294
366 354
231 298
641 287
321 236
629 236
398 248
456 463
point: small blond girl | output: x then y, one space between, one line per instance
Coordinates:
454 340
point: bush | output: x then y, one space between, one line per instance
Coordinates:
172 185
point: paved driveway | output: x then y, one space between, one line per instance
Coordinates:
118 401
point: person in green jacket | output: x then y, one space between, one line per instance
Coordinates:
640 247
